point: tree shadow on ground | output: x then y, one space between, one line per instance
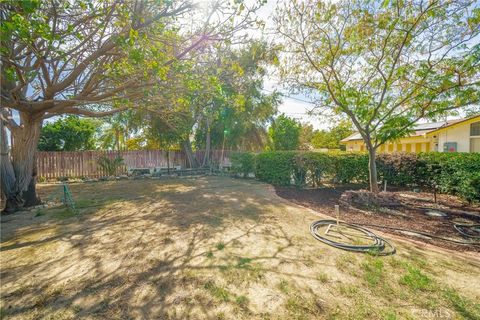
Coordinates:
152 250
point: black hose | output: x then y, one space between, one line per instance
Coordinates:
379 245
420 233
461 228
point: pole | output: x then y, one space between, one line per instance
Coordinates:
223 147
168 161
337 213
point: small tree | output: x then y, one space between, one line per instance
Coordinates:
331 138
110 166
384 65
285 133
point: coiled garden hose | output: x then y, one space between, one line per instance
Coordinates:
375 244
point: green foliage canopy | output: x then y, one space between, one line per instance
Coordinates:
331 138
70 133
285 133
238 110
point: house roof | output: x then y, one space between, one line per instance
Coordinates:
420 128
455 122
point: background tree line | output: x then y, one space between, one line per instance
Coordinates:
73 133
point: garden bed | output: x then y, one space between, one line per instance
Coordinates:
415 211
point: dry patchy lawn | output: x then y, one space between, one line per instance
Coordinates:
215 248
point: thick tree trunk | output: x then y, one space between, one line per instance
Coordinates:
23 152
187 148
7 181
372 169
30 196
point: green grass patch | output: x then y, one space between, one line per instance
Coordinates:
284 286
416 280
243 272
220 246
301 307
40 213
347 290
298 305
466 308
373 271
216 291
63 214
389 315
242 301
243 262
323 277
346 262
209 254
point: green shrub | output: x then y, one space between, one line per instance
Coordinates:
401 169
451 173
475 187
310 168
454 173
350 167
243 163
275 167
110 166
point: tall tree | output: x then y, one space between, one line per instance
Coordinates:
91 58
116 130
285 133
70 133
306 135
240 110
383 64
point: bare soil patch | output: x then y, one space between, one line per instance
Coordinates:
415 211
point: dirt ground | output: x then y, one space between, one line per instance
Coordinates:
411 213
213 248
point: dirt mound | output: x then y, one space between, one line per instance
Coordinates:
367 199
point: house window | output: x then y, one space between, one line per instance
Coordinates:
474 144
475 137
475 129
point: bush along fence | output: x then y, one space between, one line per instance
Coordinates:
451 173
95 164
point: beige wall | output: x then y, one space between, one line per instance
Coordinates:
430 142
414 144
459 134
354 145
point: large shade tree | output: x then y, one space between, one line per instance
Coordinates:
385 64
240 110
91 58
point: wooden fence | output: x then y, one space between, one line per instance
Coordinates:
51 165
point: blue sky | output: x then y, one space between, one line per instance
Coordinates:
293 105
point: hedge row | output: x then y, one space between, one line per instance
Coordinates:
451 173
